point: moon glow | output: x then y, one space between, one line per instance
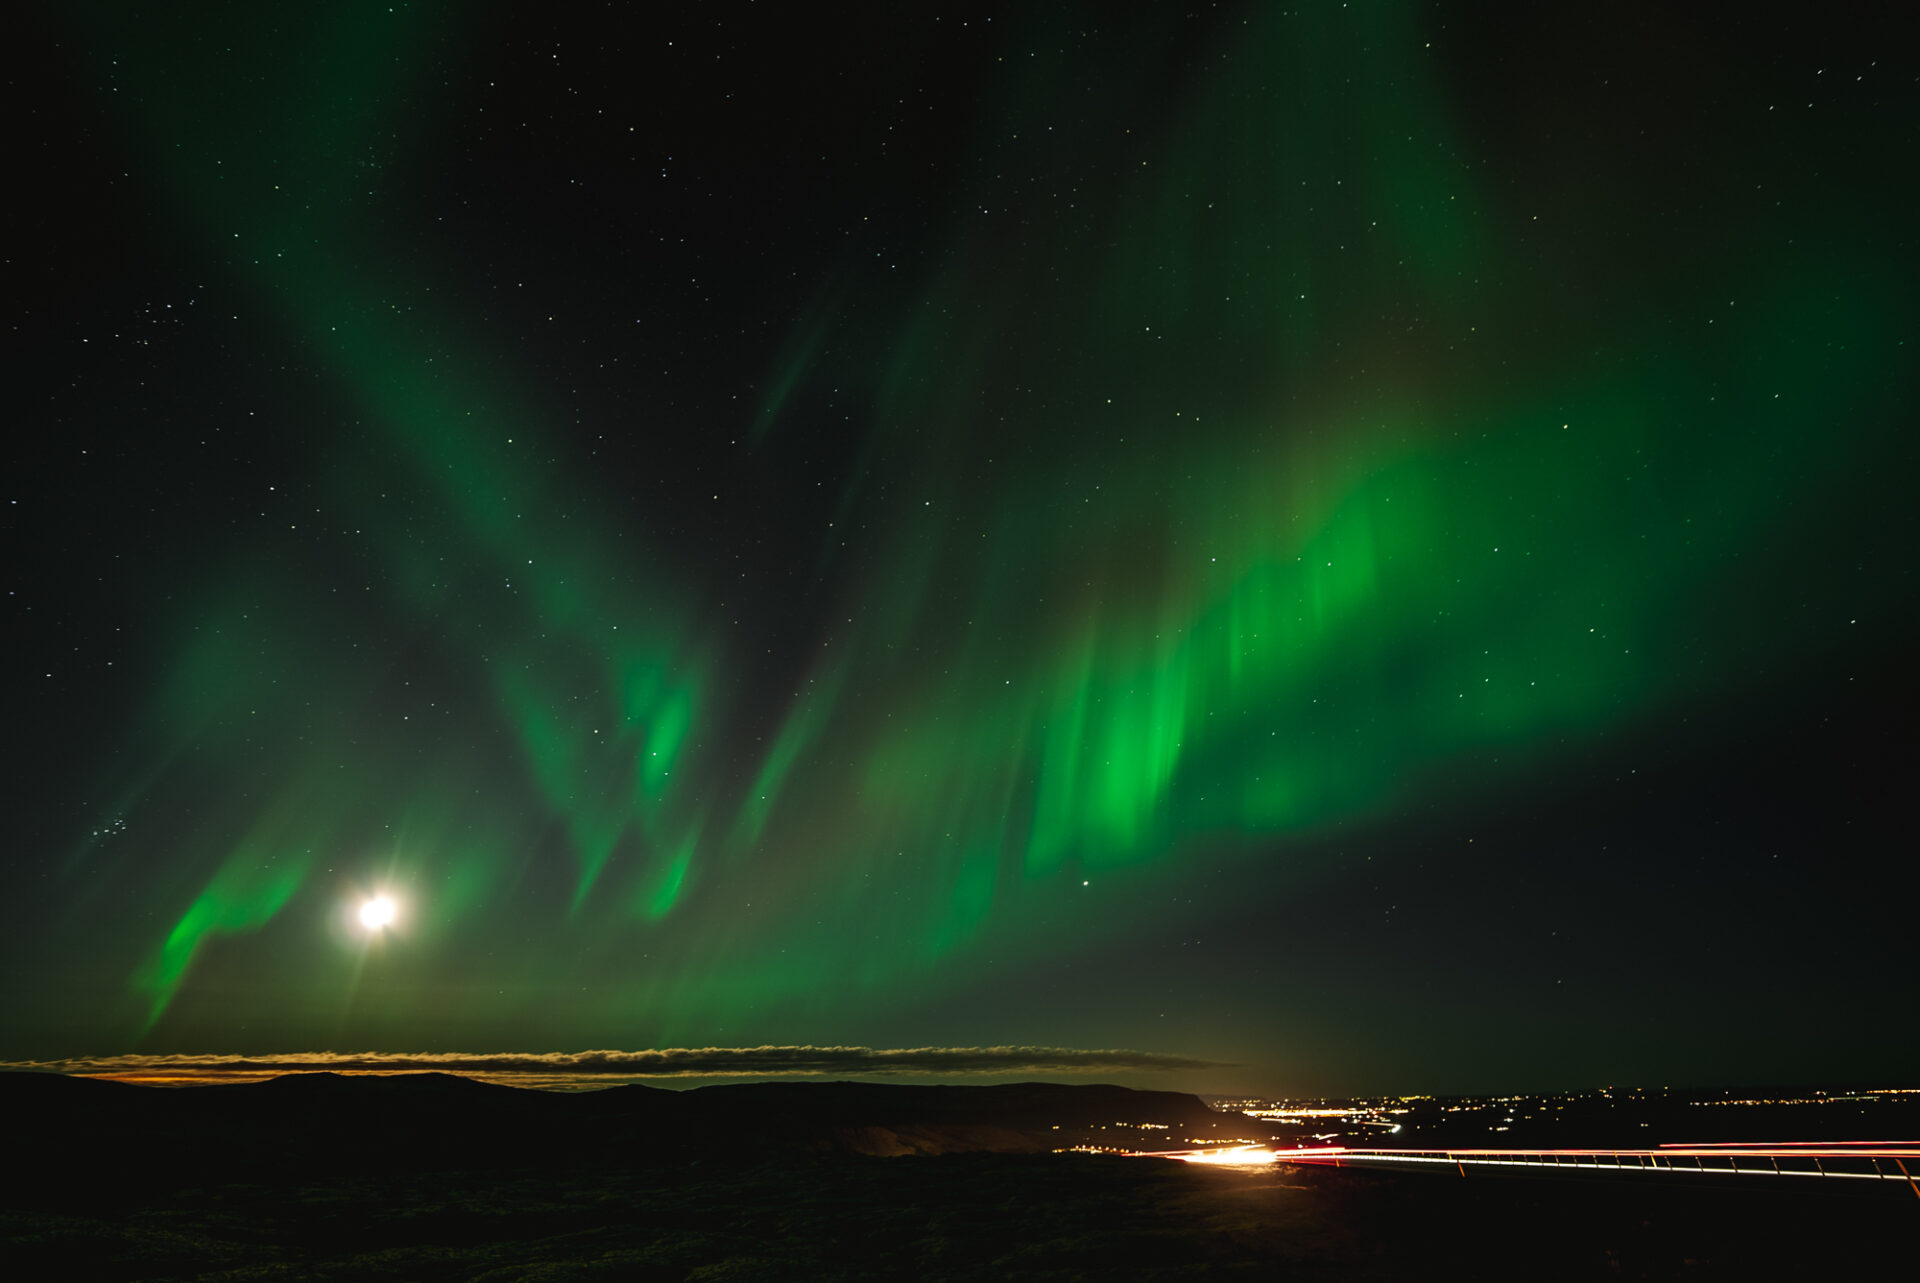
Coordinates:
377 913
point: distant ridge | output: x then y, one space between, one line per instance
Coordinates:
425 1121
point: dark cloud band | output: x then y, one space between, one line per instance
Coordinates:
674 1062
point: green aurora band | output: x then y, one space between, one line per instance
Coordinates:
1302 476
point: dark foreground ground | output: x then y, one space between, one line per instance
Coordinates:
956 1216
431 1177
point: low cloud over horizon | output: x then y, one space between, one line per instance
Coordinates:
560 1067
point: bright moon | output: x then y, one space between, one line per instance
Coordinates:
376 913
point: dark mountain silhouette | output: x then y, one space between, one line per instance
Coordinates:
428 1121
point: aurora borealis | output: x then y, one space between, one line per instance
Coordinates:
1366 543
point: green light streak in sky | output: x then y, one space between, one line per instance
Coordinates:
1249 494
601 755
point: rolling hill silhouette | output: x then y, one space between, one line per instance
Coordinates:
426 1121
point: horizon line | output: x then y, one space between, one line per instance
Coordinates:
607 1067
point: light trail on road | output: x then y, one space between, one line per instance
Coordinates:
1726 1156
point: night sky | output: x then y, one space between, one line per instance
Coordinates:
1372 545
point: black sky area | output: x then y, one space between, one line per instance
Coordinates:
1366 545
